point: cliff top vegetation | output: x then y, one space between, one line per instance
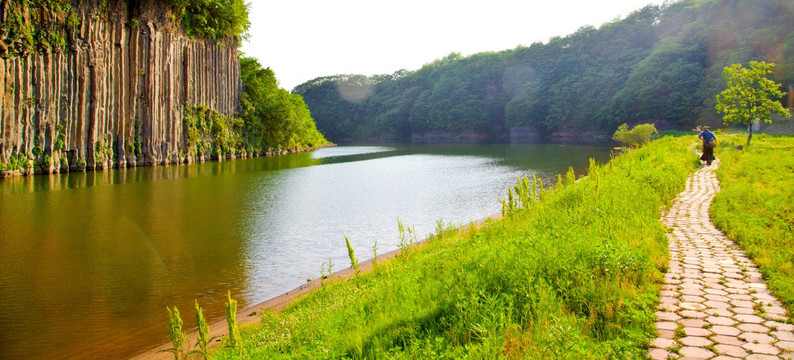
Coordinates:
43 26
212 19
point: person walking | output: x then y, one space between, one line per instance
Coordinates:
709 143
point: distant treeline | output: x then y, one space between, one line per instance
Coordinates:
660 64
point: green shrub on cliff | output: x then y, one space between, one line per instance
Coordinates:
212 133
212 19
273 118
270 118
41 26
24 28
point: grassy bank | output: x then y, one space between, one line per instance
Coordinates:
756 206
572 276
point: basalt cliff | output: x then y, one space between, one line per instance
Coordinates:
90 87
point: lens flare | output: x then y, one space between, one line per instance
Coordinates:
355 92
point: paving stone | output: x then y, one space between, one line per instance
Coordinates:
692 298
694 292
693 331
713 291
692 306
717 304
696 341
742 303
785 345
727 340
695 352
725 330
761 357
748 319
666 334
739 297
659 354
668 316
663 343
691 314
783 335
757 338
666 325
730 350
693 323
719 312
757 285
765 349
777 325
721 320
753 328
669 307
762 294
777 317
691 285
733 289
775 309
743 310
716 297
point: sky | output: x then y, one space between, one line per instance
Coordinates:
304 39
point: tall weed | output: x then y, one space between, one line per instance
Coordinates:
176 335
352 255
233 341
202 332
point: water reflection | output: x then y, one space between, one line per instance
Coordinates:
88 261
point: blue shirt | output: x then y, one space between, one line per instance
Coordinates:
707 136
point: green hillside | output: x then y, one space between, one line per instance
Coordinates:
660 64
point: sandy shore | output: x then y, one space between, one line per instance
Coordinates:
253 313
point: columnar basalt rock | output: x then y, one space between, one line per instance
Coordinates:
115 94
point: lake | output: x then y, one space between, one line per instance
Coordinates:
89 261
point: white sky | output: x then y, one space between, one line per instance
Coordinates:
304 39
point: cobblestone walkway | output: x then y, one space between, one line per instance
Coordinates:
714 304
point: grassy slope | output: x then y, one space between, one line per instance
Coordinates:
756 206
573 276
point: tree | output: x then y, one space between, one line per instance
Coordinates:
638 136
749 96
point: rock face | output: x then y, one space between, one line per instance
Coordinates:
114 96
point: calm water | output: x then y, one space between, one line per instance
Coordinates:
89 261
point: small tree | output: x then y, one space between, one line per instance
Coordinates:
749 96
638 135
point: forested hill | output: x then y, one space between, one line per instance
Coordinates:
660 64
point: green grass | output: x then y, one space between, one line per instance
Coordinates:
756 206
575 275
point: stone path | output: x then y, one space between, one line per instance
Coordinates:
714 304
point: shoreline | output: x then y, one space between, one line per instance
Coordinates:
253 313
173 161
